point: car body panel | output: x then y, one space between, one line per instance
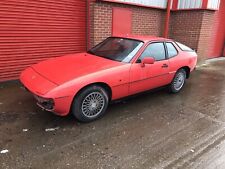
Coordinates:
62 78
75 66
35 82
117 80
148 77
183 59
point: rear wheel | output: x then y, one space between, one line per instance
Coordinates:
178 81
90 104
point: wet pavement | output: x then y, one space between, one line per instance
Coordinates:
151 130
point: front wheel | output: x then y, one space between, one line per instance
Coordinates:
90 104
178 81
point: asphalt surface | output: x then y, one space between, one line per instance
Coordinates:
151 130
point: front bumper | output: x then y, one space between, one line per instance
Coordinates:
58 106
39 87
45 103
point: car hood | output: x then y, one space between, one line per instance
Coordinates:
62 69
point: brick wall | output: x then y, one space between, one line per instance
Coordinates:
193 28
205 34
145 21
148 21
185 27
102 25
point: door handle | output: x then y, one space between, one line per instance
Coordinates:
165 66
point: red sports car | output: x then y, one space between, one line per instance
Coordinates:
85 83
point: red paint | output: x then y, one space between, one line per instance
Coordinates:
32 31
62 78
166 28
174 4
147 60
218 34
150 76
81 64
121 21
204 4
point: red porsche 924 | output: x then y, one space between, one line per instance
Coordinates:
83 84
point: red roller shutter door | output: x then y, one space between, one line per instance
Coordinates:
32 31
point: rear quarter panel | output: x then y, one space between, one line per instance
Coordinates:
183 59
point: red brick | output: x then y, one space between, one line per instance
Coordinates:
145 21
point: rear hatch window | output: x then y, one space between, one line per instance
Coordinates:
184 47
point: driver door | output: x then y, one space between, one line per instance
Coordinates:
150 75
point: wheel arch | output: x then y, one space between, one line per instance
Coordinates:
101 84
187 70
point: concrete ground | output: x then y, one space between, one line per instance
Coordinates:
152 130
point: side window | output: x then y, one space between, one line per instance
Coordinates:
171 50
155 50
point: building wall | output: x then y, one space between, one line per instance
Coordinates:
205 34
185 27
26 38
218 35
148 21
145 21
193 28
102 25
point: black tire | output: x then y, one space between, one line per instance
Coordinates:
178 81
93 99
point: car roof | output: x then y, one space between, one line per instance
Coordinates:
145 38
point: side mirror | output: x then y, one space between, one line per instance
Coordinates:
147 60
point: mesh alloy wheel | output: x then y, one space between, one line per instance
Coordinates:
93 104
179 81
90 103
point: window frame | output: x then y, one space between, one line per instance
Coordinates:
100 43
168 50
151 42
192 50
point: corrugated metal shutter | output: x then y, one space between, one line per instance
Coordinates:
31 31
189 4
213 4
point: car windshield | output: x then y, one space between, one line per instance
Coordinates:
118 49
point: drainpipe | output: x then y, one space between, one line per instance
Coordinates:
88 27
166 28
204 4
175 5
